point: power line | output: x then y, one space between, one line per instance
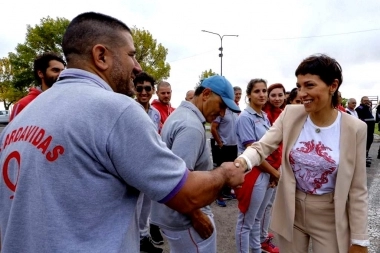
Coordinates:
191 56
325 35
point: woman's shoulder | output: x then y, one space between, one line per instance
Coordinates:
293 112
353 122
295 108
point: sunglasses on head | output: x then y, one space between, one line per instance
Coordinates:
146 88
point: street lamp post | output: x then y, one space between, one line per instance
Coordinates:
221 47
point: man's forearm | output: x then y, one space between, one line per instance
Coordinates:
201 189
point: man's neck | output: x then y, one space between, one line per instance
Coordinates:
145 105
44 86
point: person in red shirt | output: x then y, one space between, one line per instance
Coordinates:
273 108
162 104
340 106
47 68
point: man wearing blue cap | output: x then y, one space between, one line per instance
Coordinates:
184 133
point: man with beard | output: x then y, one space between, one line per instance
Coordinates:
72 170
47 68
162 104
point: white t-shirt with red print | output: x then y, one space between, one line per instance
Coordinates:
315 157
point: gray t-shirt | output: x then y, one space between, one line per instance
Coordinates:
155 116
227 128
250 127
184 133
80 154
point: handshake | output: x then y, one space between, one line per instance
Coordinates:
235 172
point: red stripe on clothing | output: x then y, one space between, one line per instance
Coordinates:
195 244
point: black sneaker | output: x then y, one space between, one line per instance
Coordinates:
147 246
155 234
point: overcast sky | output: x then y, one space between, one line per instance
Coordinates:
274 36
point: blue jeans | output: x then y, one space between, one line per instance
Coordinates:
247 232
265 220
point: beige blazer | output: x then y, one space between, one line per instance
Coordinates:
351 195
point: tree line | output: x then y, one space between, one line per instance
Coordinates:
16 70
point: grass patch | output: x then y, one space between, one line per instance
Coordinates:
377 129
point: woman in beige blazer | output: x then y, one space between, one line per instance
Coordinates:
320 197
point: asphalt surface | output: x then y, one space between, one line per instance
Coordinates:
225 217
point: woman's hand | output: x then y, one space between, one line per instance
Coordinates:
273 180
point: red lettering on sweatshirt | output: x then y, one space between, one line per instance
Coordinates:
8 182
37 137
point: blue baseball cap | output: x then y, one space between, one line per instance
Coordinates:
223 88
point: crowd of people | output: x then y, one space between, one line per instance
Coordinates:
91 165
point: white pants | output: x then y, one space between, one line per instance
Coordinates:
189 241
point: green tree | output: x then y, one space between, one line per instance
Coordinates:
44 37
204 75
344 102
150 54
8 93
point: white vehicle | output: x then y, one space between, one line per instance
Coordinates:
4 116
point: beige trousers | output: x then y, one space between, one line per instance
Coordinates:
314 221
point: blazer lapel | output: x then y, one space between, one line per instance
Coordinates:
292 129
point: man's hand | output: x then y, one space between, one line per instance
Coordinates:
241 161
357 249
234 172
202 224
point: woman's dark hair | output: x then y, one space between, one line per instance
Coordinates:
327 68
292 95
252 84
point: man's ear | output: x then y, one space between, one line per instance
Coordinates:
40 74
206 93
101 56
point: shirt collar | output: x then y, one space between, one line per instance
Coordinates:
192 107
82 74
251 111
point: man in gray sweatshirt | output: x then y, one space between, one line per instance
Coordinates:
74 164
194 231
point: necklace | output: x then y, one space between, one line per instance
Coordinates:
317 129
